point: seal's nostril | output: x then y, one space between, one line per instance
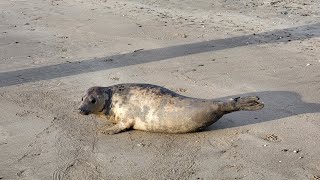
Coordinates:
84 111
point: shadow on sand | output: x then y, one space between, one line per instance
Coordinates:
145 56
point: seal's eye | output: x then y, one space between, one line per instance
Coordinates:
82 99
93 101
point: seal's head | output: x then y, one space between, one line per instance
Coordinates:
94 101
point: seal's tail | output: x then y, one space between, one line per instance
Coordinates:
248 103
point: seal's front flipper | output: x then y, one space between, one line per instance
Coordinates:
119 127
248 103
112 130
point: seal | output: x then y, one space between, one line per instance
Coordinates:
154 108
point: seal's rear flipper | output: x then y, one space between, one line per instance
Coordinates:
248 103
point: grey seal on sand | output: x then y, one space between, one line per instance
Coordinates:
153 108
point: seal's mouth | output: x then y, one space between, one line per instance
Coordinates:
84 112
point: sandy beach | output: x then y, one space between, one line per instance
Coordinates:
52 51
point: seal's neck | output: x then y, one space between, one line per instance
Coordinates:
108 102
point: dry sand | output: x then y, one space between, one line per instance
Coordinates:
51 51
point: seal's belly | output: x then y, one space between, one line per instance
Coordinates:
177 119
